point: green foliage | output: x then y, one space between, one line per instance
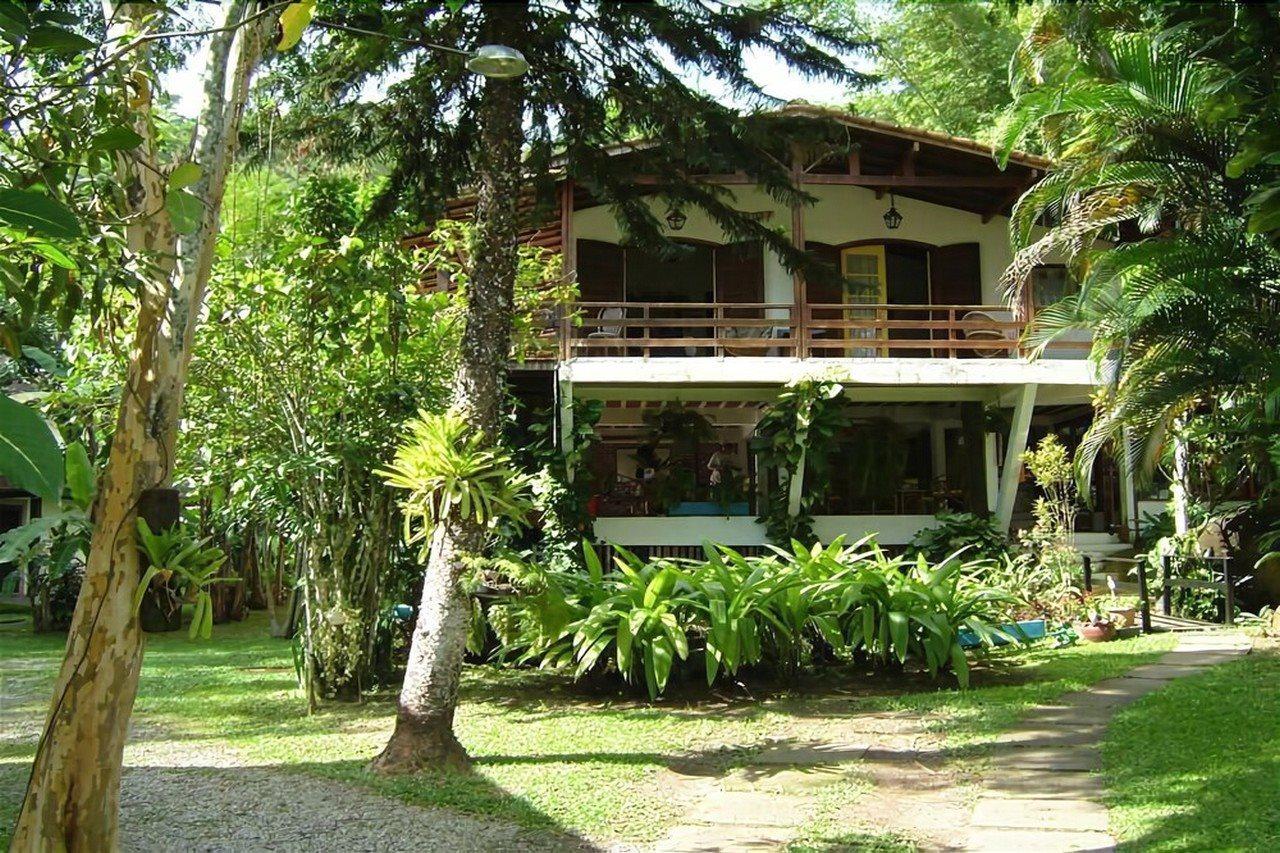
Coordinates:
941 66
1157 115
1050 541
976 535
801 428
450 472
784 611
678 430
638 618
181 568
599 74
294 403
542 292
61 206
1056 508
561 483
29 454
1045 587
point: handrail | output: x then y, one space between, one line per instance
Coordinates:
822 330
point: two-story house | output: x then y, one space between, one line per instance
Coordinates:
916 224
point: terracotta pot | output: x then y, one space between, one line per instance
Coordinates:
1096 633
1124 617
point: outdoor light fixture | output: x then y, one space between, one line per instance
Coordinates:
892 218
676 219
497 62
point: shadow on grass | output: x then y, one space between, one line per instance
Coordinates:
1196 766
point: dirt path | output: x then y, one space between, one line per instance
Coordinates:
253 808
878 773
1043 792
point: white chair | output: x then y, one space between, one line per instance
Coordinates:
611 331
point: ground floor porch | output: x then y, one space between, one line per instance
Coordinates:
673 463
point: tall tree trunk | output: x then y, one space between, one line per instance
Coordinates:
72 797
423 734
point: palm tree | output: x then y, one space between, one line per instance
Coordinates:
1149 209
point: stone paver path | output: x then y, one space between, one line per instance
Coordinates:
762 805
784 784
1043 793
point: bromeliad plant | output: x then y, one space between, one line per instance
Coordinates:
447 467
182 568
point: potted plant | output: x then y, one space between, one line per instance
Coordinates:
1093 627
179 569
1122 610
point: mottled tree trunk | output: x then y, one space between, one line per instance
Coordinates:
423 734
72 798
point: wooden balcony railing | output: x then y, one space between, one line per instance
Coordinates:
718 329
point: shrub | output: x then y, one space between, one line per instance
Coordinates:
977 534
1042 587
642 619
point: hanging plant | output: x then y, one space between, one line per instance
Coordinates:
799 432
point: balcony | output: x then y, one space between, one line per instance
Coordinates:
823 330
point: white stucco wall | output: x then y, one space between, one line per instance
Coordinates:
841 215
738 531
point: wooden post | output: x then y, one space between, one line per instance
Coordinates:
568 259
1166 577
798 289
1144 597
1229 592
1088 573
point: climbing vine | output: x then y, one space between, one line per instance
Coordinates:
799 432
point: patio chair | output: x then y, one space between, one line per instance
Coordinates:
611 331
994 333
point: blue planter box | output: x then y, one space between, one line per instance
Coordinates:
709 508
1032 629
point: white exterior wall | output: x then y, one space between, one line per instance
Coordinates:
738 531
842 215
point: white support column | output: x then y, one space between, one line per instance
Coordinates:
938 448
795 488
1013 451
565 393
1128 492
993 470
1178 488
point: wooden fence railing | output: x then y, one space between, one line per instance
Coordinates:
828 330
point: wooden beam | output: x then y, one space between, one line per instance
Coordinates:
1010 197
798 289
907 167
860 180
919 181
568 245
973 463
855 159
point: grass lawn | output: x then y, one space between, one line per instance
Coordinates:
1196 766
549 757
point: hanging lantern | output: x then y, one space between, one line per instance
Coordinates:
892 218
676 219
